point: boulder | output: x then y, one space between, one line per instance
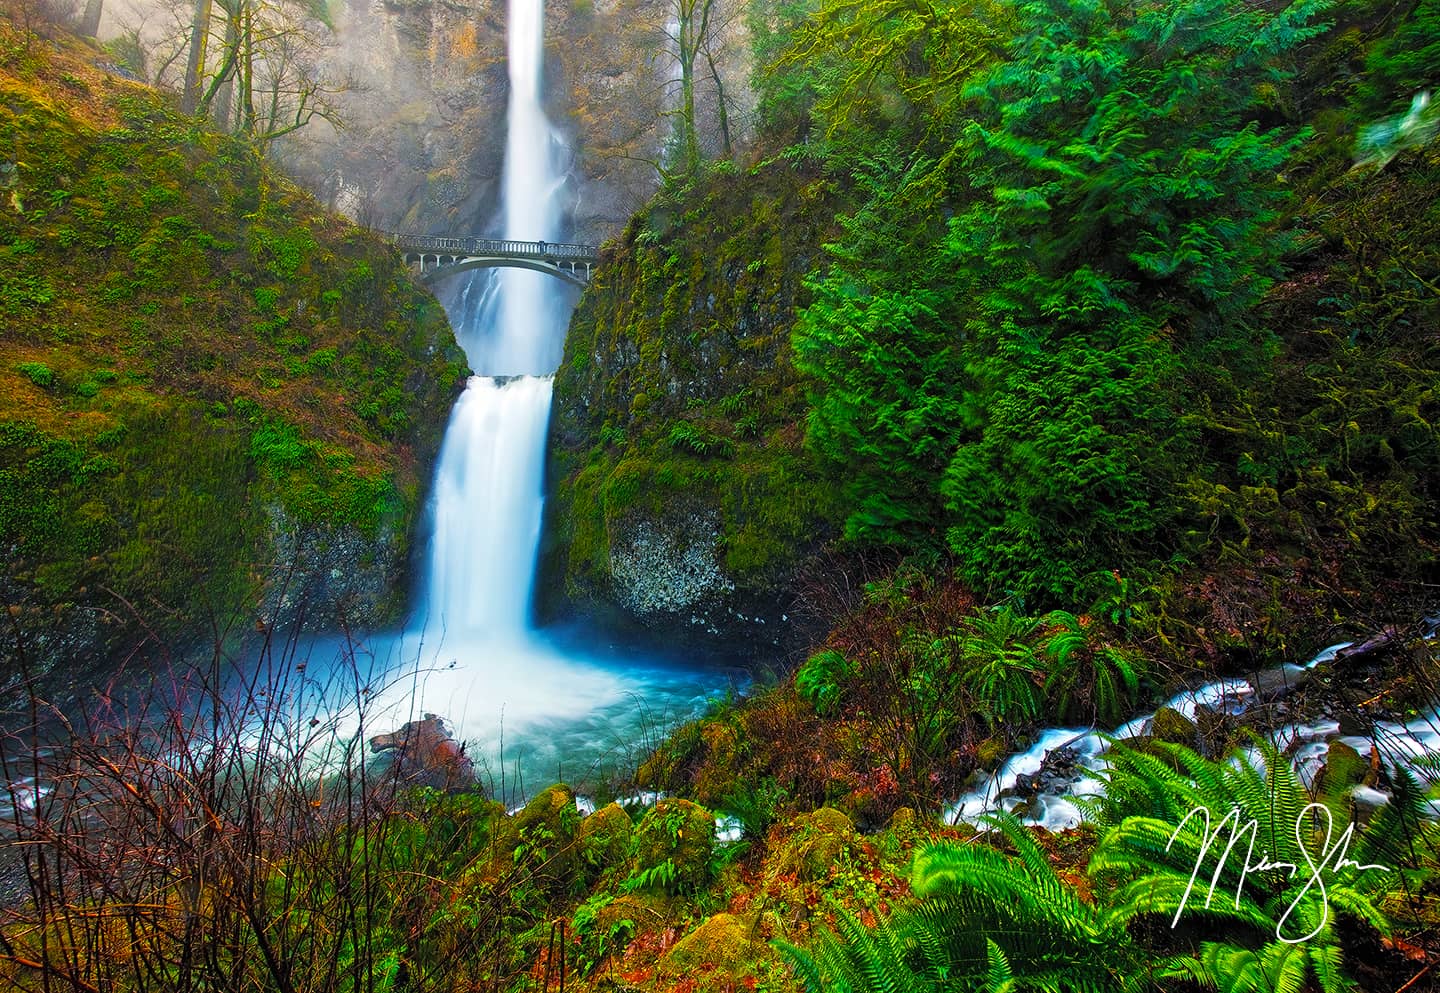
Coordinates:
427 754
546 829
605 837
725 941
817 842
1272 684
682 833
1170 725
1344 769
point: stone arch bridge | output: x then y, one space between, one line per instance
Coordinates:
437 257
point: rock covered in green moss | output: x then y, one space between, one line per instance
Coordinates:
685 500
605 836
724 941
546 831
1170 725
673 844
816 841
1344 769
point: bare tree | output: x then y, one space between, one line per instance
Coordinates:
255 68
695 38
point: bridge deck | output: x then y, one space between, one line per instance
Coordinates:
546 251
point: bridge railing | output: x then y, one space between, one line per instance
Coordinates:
500 248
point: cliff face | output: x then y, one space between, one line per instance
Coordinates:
425 110
218 403
684 502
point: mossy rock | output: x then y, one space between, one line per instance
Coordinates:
1344 769
605 836
724 941
546 836
991 752
1170 725
645 912
818 840
682 833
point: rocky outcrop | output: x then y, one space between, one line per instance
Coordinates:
330 578
426 102
685 502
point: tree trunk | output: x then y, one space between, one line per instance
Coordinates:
90 26
223 98
195 66
724 111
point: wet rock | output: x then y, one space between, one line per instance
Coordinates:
1170 725
1057 773
427 754
668 569
1273 684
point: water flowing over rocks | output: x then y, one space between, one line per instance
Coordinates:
1349 748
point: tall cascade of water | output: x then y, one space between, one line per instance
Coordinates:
479 663
469 652
489 486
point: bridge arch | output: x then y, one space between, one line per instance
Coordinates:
435 267
437 256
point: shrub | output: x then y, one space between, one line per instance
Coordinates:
38 373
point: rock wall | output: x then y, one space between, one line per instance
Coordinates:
685 504
425 110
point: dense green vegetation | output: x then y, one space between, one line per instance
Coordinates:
199 370
1103 316
1049 352
1112 337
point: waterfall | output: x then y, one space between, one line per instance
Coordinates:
480 663
469 652
489 485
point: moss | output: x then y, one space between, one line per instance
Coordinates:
605 837
724 941
546 831
819 840
1170 725
678 382
1344 769
190 341
681 834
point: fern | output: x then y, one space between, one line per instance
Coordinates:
1002 667
1098 684
986 920
1165 857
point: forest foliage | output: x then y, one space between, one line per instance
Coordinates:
1117 335
193 358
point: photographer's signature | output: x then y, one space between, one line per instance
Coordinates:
1333 859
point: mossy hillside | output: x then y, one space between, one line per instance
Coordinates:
200 371
678 414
